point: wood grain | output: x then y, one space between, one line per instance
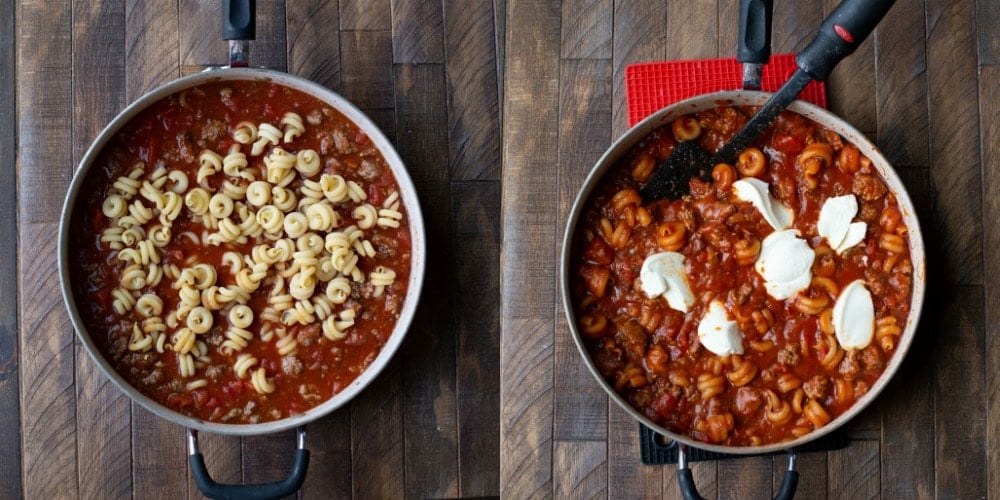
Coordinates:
901 65
953 96
854 470
366 58
470 37
529 149
429 369
377 437
417 31
101 406
960 457
10 421
365 15
313 41
587 28
48 399
988 44
989 108
850 88
475 219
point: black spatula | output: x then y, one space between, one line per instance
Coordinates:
839 35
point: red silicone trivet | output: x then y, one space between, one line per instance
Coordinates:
652 86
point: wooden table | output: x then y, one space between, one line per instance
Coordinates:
499 108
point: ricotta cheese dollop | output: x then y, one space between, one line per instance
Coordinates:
757 193
785 263
854 316
663 274
835 224
718 333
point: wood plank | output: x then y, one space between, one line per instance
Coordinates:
269 49
961 452
476 239
10 418
639 32
580 469
268 457
627 477
365 15
901 84
689 26
377 440
44 95
329 446
103 412
587 27
580 410
429 398
746 477
417 31
470 37
812 468
989 108
953 98
988 43
311 28
48 401
794 25
366 58
529 149
854 473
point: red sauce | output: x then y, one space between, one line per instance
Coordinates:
651 353
172 133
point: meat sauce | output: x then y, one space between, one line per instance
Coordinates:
792 377
171 134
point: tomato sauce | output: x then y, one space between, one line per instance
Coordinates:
171 134
799 378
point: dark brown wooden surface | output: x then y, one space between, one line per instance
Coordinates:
427 73
499 108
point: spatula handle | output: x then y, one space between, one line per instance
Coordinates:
840 34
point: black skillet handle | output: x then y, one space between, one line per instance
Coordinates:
755 31
840 34
280 489
789 482
239 19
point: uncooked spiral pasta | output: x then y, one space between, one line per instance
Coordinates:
199 320
321 217
196 200
307 162
266 134
334 188
261 383
295 224
234 164
292 123
243 364
245 132
114 206
283 198
148 305
258 193
241 316
365 215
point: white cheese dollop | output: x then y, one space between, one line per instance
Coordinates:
663 274
757 193
785 263
718 333
854 316
835 224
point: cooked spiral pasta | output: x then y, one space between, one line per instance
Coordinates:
293 126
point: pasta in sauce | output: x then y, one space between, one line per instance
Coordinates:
789 375
242 252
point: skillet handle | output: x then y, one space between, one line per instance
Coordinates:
689 491
755 31
239 19
212 489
